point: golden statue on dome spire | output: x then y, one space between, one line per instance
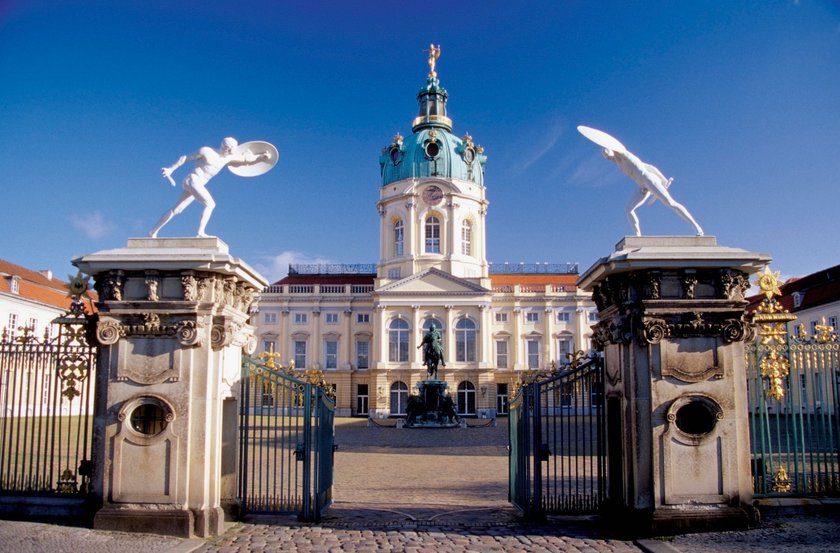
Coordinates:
434 54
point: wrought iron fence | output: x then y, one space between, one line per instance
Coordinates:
794 430
793 398
557 440
46 409
286 443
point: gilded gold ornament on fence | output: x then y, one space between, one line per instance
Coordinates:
771 320
775 368
781 481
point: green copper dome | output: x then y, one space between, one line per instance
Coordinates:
432 150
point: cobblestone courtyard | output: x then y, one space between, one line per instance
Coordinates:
425 490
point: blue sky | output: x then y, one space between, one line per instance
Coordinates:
738 101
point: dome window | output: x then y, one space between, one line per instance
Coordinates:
432 150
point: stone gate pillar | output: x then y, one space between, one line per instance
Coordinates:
173 321
672 328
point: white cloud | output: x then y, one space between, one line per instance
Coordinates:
275 267
93 225
549 138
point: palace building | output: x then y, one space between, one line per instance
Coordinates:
362 324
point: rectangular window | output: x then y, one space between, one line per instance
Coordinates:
270 318
268 345
32 325
532 316
564 348
331 318
501 317
331 349
432 235
394 273
501 354
593 316
533 354
363 318
12 326
301 318
832 322
300 354
466 239
501 399
564 316
362 354
362 399
814 328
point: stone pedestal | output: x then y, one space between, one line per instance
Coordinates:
431 407
672 329
173 321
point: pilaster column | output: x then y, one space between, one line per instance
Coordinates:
449 336
485 343
548 328
318 341
346 341
284 347
415 354
382 336
516 339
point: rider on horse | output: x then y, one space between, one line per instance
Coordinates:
432 350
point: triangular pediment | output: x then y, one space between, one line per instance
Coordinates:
432 282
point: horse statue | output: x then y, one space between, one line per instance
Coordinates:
432 351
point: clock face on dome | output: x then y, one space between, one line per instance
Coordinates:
432 195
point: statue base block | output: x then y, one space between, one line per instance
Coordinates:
432 407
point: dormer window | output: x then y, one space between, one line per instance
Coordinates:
797 299
14 285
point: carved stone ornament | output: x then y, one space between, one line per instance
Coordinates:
600 335
734 284
152 285
189 286
230 291
188 333
654 330
230 334
111 286
735 330
203 284
109 331
689 283
653 285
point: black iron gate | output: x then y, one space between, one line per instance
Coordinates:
557 443
286 443
46 410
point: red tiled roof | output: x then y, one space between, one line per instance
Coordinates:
815 289
34 286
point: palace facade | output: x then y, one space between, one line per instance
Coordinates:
362 324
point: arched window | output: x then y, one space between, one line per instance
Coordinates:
399 397
466 398
399 238
465 341
398 341
466 238
432 235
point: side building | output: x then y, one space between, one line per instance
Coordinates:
29 301
362 324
